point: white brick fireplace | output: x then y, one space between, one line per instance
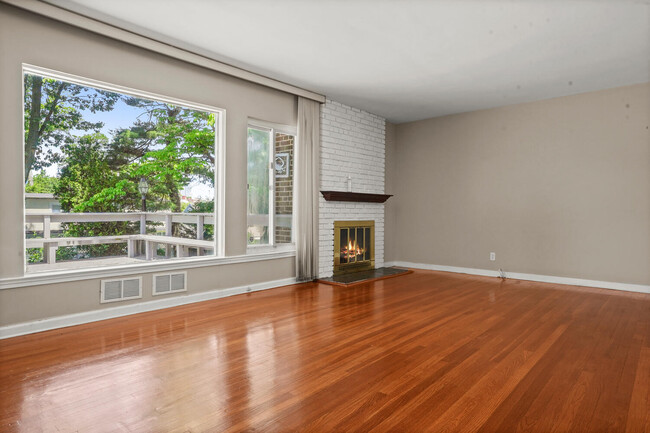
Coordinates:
352 144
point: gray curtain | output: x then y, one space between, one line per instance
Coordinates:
306 187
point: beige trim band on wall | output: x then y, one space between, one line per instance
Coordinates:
95 26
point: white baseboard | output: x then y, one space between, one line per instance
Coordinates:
529 277
109 313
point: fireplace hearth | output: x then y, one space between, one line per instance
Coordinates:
354 246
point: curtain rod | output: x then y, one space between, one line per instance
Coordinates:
122 35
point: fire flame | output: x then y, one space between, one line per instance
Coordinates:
352 249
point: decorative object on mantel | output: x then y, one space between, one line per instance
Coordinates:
355 196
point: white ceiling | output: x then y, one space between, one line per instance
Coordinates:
407 60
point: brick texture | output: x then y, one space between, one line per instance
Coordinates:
352 144
284 188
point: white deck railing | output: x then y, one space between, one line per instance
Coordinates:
43 222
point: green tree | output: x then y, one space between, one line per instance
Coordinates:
87 184
172 147
53 112
86 181
42 183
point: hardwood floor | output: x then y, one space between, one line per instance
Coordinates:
428 351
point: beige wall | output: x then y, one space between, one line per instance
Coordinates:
27 38
38 302
559 187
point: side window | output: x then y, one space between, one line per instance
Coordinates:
270 167
258 185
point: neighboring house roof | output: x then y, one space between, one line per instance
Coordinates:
38 195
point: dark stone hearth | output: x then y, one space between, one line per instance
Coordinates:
363 276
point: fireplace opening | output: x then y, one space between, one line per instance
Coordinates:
354 246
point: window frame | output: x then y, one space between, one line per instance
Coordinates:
272 128
219 168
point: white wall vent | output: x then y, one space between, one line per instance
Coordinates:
120 289
169 283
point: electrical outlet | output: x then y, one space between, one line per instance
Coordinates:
493 256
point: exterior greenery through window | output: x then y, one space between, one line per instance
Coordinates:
88 148
270 184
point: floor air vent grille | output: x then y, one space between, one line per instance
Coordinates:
169 283
120 289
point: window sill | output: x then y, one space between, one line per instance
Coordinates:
260 249
135 269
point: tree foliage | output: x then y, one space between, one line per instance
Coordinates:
42 183
87 184
171 147
53 112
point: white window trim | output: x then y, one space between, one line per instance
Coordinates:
137 269
278 127
219 154
256 249
274 128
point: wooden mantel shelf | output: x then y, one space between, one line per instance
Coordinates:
355 196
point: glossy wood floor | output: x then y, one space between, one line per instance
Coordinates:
428 351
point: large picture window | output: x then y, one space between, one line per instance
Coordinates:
270 184
115 176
